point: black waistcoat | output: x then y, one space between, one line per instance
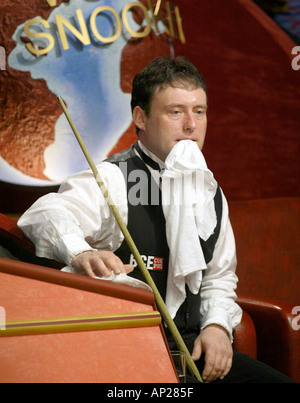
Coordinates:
146 224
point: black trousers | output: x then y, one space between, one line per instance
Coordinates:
244 369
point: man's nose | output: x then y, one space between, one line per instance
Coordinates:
189 122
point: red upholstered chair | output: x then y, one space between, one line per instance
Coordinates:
278 336
244 337
16 243
267 236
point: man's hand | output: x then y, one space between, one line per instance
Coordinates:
214 342
100 263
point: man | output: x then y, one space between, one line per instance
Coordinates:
191 241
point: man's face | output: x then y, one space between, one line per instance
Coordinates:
176 113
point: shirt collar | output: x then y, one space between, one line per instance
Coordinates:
151 155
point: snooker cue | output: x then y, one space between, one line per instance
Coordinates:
160 303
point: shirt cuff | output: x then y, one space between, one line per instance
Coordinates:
218 316
69 246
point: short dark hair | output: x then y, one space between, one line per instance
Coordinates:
160 73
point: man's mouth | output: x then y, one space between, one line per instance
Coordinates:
186 138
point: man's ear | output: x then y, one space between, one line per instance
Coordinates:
139 117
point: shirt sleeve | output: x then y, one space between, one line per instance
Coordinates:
77 217
218 295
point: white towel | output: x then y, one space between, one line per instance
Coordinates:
188 190
121 278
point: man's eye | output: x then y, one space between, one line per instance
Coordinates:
199 113
176 113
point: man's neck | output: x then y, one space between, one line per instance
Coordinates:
151 155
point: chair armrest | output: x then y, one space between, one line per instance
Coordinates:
244 337
13 239
278 340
